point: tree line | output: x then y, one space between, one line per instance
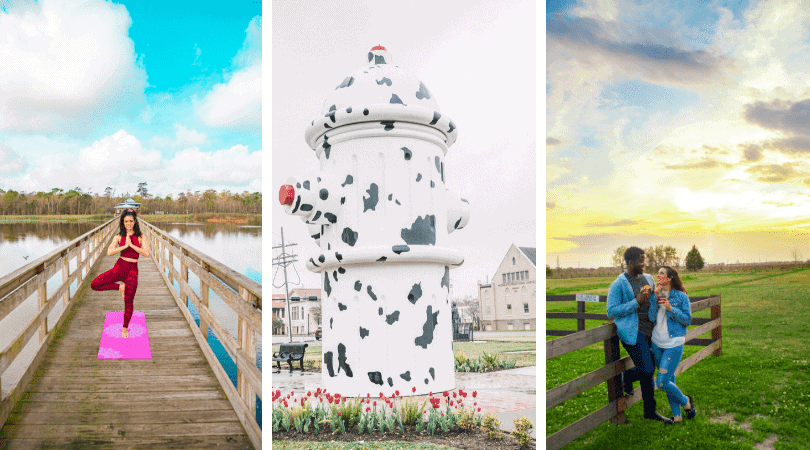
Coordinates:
76 201
663 255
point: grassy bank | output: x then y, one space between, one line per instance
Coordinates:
238 219
756 393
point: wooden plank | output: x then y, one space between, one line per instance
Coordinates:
559 332
577 315
717 333
565 436
93 431
700 342
571 389
176 406
122 417
692 360
236 442
703 304
231 298
581 339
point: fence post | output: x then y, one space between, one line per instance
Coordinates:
614 384
580 321
717 333
65 276
203 300
42 295
247 343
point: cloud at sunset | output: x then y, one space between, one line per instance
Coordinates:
668 122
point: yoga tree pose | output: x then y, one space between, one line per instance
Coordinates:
130 244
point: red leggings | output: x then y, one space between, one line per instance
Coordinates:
125 271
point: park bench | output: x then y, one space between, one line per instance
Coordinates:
289 353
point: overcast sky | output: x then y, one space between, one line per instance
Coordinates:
683 123
95 94
476 58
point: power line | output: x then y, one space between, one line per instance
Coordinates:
284 260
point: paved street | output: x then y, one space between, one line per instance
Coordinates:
478 335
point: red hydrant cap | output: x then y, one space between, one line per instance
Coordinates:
378 47
286 194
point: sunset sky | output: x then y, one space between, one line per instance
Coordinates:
681 123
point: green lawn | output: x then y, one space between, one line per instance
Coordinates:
312 357
757 391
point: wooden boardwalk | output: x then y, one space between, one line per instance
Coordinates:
78 401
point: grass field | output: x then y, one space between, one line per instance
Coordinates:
755 395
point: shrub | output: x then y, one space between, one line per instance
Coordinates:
492 426
522 428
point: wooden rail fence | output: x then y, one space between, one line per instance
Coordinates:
20 284
241 294
614 365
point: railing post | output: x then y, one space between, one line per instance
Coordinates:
717 333
247 342
170 267
204 301
580 321
42 295
614 383
183 275
65 276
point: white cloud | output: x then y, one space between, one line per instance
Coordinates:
234 166
237 103
183 137
11 162
66 65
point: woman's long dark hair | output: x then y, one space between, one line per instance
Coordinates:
122 231
676 282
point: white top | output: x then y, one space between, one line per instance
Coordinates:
660 335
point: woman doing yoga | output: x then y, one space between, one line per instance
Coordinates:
130 244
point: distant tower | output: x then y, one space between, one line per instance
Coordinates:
558 262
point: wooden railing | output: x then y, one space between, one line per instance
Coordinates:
614 366
241 294
32 278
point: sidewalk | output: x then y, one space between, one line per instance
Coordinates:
506 393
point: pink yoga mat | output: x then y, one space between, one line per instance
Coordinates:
113 346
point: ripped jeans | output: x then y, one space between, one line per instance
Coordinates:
667 360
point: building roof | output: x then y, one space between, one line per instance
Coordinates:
279 296
278 303
530 253
305 293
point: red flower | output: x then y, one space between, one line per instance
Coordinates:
479 409
338 414
451 402
396 393
375 402
475 394
454 395
292 392
445 393
475 404
431 393
368 408
414 389
368 395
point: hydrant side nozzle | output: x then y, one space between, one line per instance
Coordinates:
286 194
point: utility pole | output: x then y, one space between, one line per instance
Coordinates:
284 260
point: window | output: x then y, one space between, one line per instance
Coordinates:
526 308
488 313
508 309
527 274
521 275
504 278
513 260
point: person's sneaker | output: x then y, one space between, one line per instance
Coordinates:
660 418
690 413
628 390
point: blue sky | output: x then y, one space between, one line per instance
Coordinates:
680 123
96 94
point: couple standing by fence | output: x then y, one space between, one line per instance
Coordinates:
651 320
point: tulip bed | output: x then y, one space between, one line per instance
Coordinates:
448 419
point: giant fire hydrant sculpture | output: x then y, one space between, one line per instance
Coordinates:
381 213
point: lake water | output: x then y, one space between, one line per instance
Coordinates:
238 247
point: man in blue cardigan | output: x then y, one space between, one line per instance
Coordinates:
628 304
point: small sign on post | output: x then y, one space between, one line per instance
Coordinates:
587 298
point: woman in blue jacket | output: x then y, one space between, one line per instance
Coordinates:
671 312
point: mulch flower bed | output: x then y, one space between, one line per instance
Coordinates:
310 418
463 440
